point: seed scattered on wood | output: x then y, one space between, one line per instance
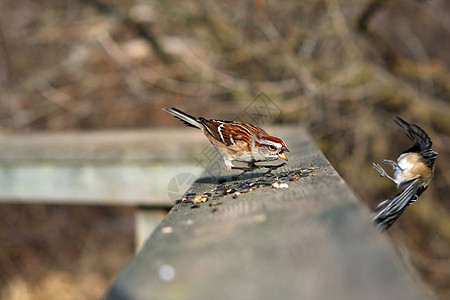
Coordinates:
278 181
167 230
284 185
277 185
188 198
195 206
200 198
236 194
230 191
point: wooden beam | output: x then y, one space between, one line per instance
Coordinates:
150 145
312 240
118 184
129 167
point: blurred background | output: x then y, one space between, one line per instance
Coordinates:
341 68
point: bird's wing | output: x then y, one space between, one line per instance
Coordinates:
231 133
429 156
416 134
212 127
390 210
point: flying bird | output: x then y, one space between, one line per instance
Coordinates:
413 172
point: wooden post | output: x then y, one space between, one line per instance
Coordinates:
311 240
146 220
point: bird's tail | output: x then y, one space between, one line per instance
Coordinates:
419 137
187 119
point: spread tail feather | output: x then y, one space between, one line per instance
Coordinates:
187 119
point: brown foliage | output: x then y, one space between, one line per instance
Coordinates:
343 69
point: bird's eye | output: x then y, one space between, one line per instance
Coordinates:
272 147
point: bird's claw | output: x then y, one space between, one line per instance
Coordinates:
380 170
393 164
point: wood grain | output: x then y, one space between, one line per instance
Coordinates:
313 240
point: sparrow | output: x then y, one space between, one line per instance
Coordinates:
413 172
237 141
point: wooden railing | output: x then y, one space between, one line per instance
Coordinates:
299 233
120 168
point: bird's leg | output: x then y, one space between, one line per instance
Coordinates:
382 172
392 163
251 167
272 167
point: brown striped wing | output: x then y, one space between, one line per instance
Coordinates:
231 133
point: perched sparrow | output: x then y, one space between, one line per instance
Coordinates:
412 174
237 141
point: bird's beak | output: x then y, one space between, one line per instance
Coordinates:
282 155
285 149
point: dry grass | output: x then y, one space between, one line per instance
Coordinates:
62 252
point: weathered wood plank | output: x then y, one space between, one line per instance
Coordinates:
130 167
313 240
154 145
115 184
